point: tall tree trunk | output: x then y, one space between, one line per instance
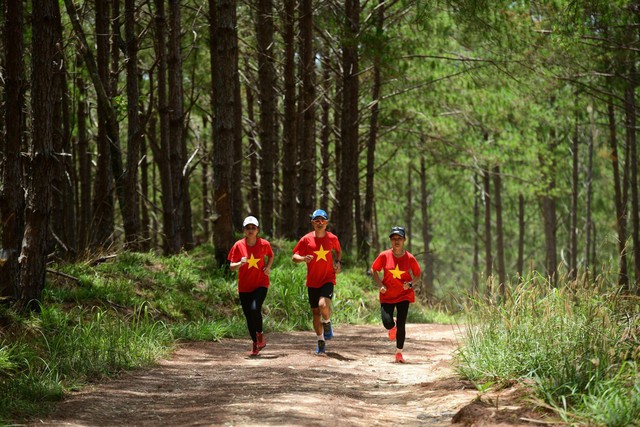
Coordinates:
365 245
85 212
266 84
497 193
103 202
408 213
573 212
521 235
488 257
549 218
307 162
131 210
429 272
288 211
589 191
254 150
161 150
630 115
349 121
224 44
63 217
177 150
621 215
12 201
475 272
325 136
237 198
33 257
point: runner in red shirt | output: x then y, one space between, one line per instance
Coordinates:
317 249
400 272
253 257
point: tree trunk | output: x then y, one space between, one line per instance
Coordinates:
475 272
254 153
488 257
365 245
85 212
549 217
573 212
12 201
429 273
521 235
33 257
266 84
161 151
224 31
587 228
349 121
497 192
325 136
63 217
103 202
408 214
177 132
307 162
630 115
288 211
621 215
131 211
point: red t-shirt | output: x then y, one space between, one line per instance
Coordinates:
251 275
395 274
320 269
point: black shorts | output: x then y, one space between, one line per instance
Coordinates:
325 291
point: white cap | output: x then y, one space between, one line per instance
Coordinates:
250 220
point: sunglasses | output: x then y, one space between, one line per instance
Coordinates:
320 221
251 227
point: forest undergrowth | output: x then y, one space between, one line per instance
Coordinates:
576 345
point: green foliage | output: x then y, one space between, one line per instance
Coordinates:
578 344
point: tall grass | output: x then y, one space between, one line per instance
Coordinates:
577 344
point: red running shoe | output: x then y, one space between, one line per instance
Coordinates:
399 358
392 333
262 343
254 350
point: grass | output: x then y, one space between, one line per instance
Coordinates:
577 344
131 310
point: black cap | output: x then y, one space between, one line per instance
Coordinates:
397 230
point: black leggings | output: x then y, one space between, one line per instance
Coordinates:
402 310
252 308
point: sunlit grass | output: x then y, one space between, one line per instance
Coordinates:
575 343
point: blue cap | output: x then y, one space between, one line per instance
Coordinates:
397 230
319 213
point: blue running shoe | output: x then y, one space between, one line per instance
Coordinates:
328 331
320 349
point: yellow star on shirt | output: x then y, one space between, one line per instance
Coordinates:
253 262
396 272
321 253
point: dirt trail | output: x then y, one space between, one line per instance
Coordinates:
356 384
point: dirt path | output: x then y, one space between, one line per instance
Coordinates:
356 384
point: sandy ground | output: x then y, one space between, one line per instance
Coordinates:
355 384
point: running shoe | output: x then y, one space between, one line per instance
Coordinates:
328 331
393 331
320 349
262 343
254 350
399 358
